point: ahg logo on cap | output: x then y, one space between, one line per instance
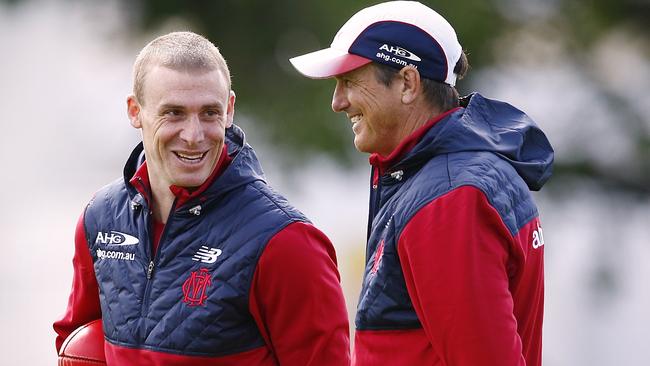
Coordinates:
394 33
399 51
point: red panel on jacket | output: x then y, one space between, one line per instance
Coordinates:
477 290
116 355
297 301
83 304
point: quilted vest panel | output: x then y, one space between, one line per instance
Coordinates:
194 299
384 302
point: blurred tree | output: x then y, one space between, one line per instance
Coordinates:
258 37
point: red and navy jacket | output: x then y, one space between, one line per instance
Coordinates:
454 260
239 276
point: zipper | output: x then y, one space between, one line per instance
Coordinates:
375 193
152 262
150 270
397 175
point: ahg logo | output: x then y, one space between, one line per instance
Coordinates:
401 52
112 254
115 238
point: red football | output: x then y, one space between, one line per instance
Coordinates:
84 346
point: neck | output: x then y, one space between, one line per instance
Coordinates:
163 199
164 195
415 116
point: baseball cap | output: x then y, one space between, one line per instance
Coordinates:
394 33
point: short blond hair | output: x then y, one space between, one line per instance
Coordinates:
177 51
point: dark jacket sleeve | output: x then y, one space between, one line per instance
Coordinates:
83 303
297 301
454 256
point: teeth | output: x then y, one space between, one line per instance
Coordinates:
356 118
190 157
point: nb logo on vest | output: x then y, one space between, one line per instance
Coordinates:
206 255
195 287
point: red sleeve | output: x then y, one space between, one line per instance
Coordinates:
83 303
297 301
454 255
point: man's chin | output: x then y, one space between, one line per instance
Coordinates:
190 184
361 146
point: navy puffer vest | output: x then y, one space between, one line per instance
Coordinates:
192 296
489 145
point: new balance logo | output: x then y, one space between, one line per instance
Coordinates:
207 255
115 238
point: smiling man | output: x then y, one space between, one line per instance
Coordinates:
454 257
191 258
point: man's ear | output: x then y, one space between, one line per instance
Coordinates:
230 112
133 111
411 86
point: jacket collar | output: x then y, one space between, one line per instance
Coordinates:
237 165
383 164
140 181
480 125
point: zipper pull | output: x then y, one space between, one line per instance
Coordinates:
397 175
150 270
196 210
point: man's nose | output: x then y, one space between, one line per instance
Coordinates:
192 132
339 99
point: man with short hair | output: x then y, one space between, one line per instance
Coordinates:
454 257
191 258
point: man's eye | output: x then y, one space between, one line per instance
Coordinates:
173 112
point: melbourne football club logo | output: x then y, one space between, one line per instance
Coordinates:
195 287
379 254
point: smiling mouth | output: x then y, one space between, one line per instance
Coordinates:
191 158
355 122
